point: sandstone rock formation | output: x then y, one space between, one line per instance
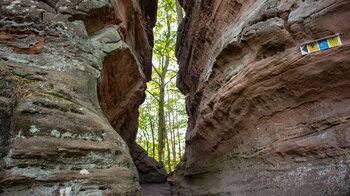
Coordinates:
150 171
64 64
264 120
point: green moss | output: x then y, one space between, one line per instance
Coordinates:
48 95
52 85
60 95
25 126
52 93
73 108
32 81
64 94
68 106
40 88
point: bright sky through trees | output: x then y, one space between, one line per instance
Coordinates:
163 118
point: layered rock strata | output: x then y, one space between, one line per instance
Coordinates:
150 171
264 120
55 56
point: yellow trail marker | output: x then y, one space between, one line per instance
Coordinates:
334 41
313 47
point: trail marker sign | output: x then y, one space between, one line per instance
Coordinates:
320 44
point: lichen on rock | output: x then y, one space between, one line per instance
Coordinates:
53 55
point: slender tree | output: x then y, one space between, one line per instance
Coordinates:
171 129
163 103
153 140
169 154
164 49
177 130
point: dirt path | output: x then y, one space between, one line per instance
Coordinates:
155 189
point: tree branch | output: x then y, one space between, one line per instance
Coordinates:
175 90
170 79
172 71
155 69
155 82
153 96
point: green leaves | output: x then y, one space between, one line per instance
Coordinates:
164 108
166 29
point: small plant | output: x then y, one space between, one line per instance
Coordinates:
32 81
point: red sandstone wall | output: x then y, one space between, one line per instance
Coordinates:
264 120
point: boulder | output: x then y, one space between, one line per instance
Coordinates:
150 170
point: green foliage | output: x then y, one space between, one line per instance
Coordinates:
163 93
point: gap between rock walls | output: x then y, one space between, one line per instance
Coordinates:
263 119
163 117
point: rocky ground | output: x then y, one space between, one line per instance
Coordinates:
155 189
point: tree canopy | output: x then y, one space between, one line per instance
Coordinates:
163 117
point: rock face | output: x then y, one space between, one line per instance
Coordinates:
264 120
150 171
64 65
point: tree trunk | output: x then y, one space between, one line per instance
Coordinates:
178 133
177 129
161 126
171 133
161 115
169 155
161 120
153 142
147 137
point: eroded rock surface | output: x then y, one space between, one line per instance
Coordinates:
150 171
264 120
55 56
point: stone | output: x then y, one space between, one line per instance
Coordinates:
60 133
56 133
84 172
263 119
150 171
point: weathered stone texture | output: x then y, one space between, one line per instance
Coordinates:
150 171
61 60
264 120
